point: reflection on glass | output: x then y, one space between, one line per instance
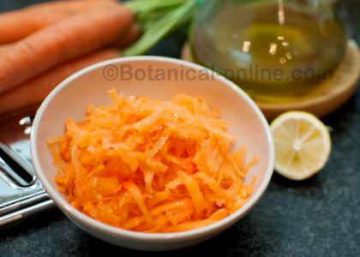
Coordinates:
272 37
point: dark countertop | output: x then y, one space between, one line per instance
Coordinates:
319 217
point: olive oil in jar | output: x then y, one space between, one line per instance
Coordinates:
273 49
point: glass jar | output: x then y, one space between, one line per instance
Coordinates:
271 48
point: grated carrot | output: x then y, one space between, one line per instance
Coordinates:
150 165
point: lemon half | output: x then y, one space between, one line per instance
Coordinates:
302 145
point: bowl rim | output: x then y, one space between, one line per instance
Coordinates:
63 204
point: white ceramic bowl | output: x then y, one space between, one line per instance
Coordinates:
132 76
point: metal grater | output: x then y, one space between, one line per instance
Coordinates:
21 194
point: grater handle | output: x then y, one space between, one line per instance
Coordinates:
23 213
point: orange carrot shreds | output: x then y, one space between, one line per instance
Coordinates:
152 166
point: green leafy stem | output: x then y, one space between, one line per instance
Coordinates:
158 18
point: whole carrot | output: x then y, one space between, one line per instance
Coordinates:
130 37
61 42
60 5
16 25
35 90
